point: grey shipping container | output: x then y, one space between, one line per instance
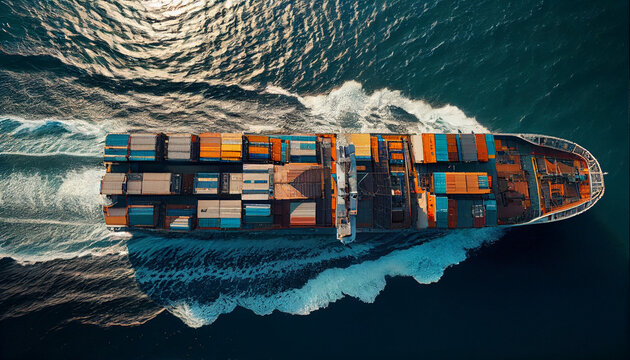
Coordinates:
469 147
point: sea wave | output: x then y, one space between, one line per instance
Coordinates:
199 281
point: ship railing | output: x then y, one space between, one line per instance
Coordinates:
596 176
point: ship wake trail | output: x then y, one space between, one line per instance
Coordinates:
198 281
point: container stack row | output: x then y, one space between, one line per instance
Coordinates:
210 147
433 148
140 184
461 183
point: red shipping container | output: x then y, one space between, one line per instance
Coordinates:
479 222
452 214
451 144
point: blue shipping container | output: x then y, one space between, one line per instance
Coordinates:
439 183
258 209
209 223
441 211
117 140
490 144
483 181
230 223
441 147
180 212
140 216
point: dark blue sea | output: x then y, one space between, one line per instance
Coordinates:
72 71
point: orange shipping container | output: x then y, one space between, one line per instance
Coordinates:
395 145
258 150
428 142
258 138
396 156
482 148
374 144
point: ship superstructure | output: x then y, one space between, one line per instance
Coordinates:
343 184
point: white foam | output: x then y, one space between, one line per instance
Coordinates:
45 137
426 263
350 108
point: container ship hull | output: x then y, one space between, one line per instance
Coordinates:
342 185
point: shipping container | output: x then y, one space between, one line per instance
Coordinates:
156 183
416 149
482 150
490 146
206 183
441 147
452 214
491 212
113 184
141 215
231 147
134 184
276 149
143 147
362 146
208 209
116 216
179 147
428 143
451 144
439 183
468 147
441 212
236 183
431 210
464 213
210 147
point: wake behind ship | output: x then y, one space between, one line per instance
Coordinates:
343 184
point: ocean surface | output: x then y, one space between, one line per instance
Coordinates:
72 71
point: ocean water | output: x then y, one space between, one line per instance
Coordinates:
72 71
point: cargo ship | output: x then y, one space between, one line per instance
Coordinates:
343 184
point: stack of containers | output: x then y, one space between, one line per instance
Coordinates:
303 213
441 147
258 147
451 143
479 218
362 147
256 184
258 214
112 184
482 149
116 147
180 147
156 183
206 183
303 149
417 149
441 212
134 184
490 146
210 147
482 180
116 216
439 183
208 214
142 147
491 212
428 143
179 217
141 215
231 147
395 152
468 147
230 214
